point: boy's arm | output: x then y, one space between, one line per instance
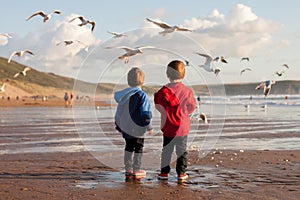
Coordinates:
146 113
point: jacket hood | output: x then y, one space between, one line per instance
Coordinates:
122 96
171 97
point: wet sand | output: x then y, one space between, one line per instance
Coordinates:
220 175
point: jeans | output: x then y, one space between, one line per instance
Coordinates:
180 143
133 145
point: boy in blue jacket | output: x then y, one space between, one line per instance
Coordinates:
133 119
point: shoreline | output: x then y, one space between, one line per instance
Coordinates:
55 102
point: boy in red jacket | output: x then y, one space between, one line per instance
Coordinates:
175 102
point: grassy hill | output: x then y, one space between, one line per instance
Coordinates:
42 83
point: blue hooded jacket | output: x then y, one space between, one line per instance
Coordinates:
133 115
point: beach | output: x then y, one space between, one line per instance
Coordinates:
75 153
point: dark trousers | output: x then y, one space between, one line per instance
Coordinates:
180 143
133 145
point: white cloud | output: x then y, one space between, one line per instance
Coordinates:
239 33
48 56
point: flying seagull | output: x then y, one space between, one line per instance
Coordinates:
22 72
130 52
44 15
167 28
221 59
286 65
199 117
117 35
245 58
2 89
19 54
5 35
84 22
69 42
266 85
207 63
279 73
246 69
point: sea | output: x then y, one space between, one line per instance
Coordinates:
234 122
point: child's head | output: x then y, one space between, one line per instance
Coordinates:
176 70
135 77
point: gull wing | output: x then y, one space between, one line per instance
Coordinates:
245 58
79 17
113 33
16 75
127 49
12 55
145 47
26 69
93 25
183 29
285 65
258 87
6 35
56 12
208 57
37 13
28 51
160 24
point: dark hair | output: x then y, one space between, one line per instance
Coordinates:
135 77
176 70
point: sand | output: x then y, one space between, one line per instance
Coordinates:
250 175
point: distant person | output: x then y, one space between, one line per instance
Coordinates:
17 98
133 119
198 103
175 102
71 99
66 98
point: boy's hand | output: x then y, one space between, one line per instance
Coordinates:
150 132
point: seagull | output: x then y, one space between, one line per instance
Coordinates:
84 22
129 52
167 28
2 89
286 65
200 116
69 42
245 58
187 63
22 72
221 59
279 73
19 54
266 85
5 35
46 16
207 64
246 69
117 35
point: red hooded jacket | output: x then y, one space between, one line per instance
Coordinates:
175 102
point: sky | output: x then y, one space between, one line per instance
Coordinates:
266 32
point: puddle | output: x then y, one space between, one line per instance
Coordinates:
199 178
